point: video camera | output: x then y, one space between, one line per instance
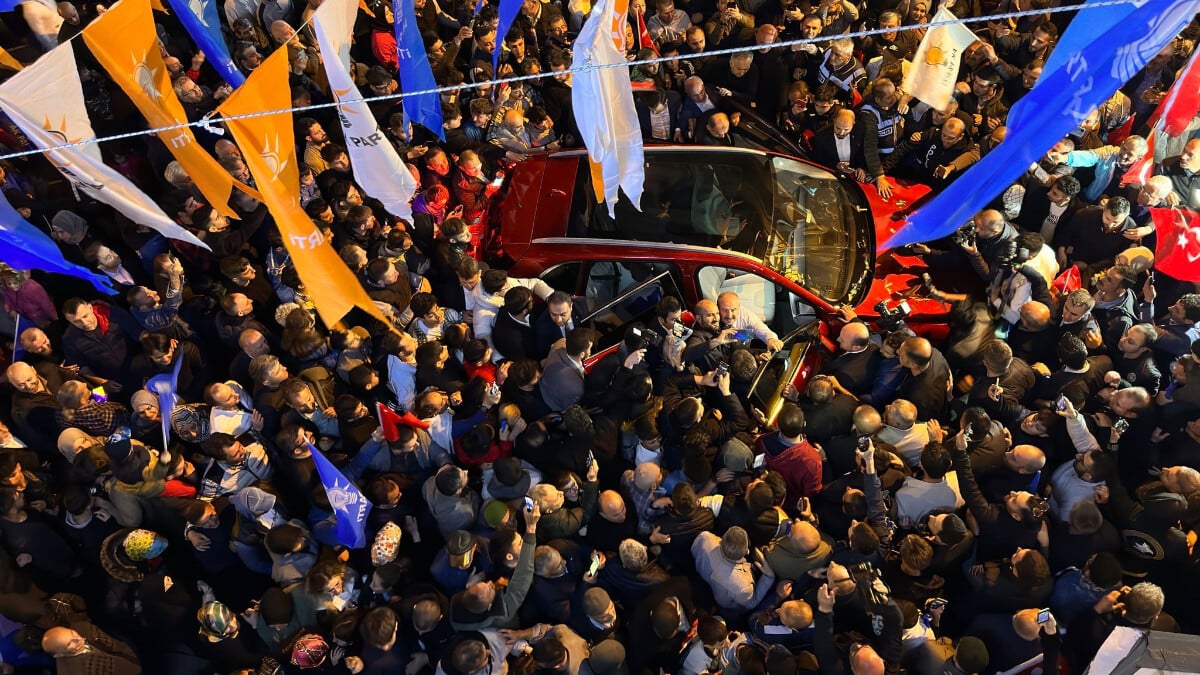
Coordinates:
892 319
965 236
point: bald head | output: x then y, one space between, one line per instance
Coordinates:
253 343
35 341
1028 459
24 378
804 536
954 125
60 641
647 476
866 661
612 506
915 354
1035 316
1025 624
707 315
867 419
854 337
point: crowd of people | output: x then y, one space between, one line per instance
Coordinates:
1017 490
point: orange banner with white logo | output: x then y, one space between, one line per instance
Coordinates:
270 151
123 40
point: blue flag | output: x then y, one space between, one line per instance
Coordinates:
199 18
9 5
415 72
508 11
349 505
1098 53
24 247
164 387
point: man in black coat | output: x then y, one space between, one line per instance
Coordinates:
850 145
552 325
927 382
855 368
660 103
513 335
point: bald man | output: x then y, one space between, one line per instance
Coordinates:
935 156
857 362
1032 338
33 406
734 316
803 549
849 145
928 381
88 650
40 353
614 522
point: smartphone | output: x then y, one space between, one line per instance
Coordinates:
760 460
1121 425
968 435
722 368
1061 404
802 504
528 504
864 442
1043 615
503 426
942 602
594 566
493 388
744 334
591 459
498 180
678 330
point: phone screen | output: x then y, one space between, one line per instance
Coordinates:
529 505
595 566
759 461
1043 616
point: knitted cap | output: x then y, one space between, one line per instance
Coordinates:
386 545
494 512
217 622
69 438
142 397
953 530
143 544
972 654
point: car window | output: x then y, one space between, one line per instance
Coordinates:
715 200
779 308
619 293
564 277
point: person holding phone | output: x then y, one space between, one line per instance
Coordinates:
789 452
484 604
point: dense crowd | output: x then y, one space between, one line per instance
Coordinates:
1019 489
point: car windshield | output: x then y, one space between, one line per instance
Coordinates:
803 225
812 229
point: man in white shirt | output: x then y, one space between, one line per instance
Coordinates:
484 293
721 561
734 316
402 371
901 430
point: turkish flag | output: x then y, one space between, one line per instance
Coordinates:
390 419
644 40
1178 253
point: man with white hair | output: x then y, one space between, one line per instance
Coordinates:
721 561
734 316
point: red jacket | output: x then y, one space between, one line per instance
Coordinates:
800 465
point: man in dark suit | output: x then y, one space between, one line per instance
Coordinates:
856 366
513 336
1049 211
850 145
661 105
927 381
552 325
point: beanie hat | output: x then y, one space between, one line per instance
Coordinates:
217 622
143 544
386 545
494 512
972 654
142 397
953 529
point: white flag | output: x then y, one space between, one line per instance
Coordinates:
46 101
603 103
377 167
935 66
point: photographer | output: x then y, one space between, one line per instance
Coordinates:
1026 268
980 242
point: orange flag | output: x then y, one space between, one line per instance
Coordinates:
7 60
270 151
123 41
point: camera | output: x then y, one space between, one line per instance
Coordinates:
650 337
965 235
891 319
1009 255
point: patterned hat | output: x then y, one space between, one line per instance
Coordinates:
217 623
309 651
143 544
386 545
